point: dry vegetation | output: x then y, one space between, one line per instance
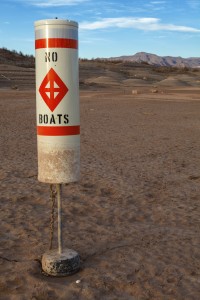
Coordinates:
15 58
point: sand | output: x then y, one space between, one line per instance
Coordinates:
176 82
134 217
106 80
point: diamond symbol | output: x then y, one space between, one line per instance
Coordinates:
52 89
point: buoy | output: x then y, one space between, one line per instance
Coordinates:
58 123
57 101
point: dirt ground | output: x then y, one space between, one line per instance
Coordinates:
134 217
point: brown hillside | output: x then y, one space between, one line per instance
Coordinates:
19 59
18 71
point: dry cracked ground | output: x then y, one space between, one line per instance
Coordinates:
134 217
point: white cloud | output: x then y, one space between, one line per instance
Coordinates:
147 24
54 3
93 40
156 5
158 2
117 22
193 3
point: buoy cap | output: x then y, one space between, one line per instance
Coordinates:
55 22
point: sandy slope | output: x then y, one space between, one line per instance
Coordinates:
135 215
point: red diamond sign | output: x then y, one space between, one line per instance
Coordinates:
52 89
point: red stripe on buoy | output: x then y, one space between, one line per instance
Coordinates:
56 43
58 130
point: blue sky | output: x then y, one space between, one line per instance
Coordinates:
109 28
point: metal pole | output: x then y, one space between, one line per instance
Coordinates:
59 195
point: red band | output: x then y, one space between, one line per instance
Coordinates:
56 43
58 130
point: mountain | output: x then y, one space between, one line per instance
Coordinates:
168 61
13 57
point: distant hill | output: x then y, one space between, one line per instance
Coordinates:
99 74
167 61
8 57
12 57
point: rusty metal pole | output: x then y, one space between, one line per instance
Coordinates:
59 199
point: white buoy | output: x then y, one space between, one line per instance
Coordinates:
58 122
57 101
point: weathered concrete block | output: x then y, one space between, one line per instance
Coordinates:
66 263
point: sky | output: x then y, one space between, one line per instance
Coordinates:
108 28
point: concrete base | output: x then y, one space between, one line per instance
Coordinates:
66 263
